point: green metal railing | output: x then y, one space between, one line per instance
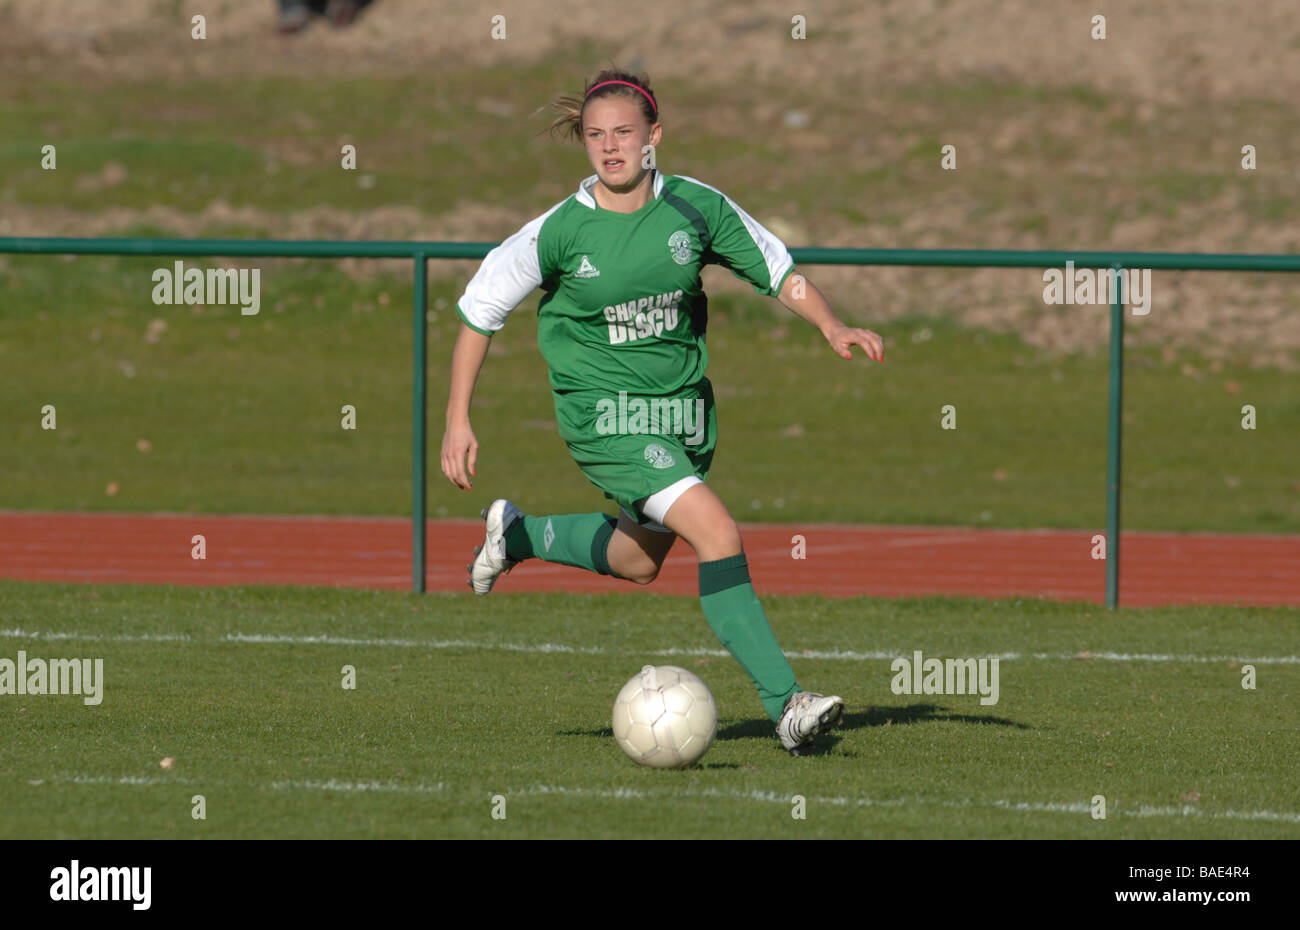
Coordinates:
421 252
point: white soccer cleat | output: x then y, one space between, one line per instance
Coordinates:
490 558
805 715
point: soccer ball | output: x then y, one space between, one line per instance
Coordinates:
665 717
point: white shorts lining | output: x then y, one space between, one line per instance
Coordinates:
652 525
657 505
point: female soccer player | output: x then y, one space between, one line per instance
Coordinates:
622 328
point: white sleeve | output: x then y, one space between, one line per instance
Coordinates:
509 273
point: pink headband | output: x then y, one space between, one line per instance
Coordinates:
628 84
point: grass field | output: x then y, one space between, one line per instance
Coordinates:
458 700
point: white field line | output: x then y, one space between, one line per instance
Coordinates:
1078 808
542 648
333 784
365 787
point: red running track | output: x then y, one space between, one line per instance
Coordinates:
841 561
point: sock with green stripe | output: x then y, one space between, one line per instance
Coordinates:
579 539
739 621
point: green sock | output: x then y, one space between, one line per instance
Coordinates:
580 539
737 618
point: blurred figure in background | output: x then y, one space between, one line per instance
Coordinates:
295 15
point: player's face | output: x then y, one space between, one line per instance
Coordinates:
616 133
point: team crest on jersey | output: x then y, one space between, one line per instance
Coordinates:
587 269
658 456
679 243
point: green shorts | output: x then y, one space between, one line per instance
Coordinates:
632 446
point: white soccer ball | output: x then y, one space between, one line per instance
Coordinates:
665 717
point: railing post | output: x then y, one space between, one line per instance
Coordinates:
419 451
1115 433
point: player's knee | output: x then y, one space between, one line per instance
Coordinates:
720 542
642 571
646 576
731 537
726 536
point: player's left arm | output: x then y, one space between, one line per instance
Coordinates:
802 298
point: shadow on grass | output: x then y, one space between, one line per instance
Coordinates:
853 720
608 734
918 713
871 717
763 729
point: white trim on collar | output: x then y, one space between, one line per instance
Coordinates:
587 199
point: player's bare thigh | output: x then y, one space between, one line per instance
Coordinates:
700 518
636 552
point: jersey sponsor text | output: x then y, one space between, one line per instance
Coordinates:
644 317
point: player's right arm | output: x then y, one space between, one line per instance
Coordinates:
459 447
509 273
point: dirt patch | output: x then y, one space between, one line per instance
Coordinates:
1167 51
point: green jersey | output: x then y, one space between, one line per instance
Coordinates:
623 308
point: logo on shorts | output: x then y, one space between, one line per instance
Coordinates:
658 456
680 244
549 536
